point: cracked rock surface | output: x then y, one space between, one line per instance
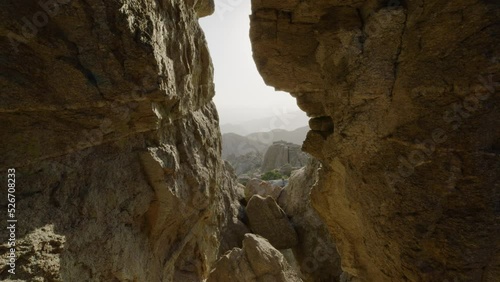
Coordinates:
106 115
404 102
268 220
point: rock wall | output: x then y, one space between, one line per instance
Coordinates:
106 117
316 252
403 100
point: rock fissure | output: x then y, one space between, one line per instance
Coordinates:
398 53
107 118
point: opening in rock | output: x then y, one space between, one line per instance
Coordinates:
263 131
252 115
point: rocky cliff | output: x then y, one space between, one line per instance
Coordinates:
106 117
282 153
403 100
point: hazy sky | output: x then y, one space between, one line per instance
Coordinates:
240 91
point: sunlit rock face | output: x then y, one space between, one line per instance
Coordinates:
257 260
404 102
107 118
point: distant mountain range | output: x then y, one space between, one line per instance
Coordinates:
286 121
246 153
237 145
296 136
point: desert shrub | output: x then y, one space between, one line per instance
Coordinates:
271 175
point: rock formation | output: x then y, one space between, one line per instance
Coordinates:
262 188
268 220
256 261
107 119
403 97
246 153
316 252
282 153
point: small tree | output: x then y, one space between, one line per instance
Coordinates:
271 175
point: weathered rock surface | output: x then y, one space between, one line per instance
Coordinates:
405 107
268 220
258 260
262 188
107 119
282 153
316 252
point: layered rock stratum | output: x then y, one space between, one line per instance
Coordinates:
107 119
403 100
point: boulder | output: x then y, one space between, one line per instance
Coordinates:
267 219
261 188
258 260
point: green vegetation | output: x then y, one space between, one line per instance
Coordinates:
271 175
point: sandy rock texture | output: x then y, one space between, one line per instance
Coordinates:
262 188
106 116
403 97
257 260
268 220
316 253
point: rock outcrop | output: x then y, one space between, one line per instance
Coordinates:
262 188
403 97
258 260
108 122
246 153
316 253
282 153
268 220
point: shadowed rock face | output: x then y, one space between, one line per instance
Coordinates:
268 220
404 100
107 118
316 252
